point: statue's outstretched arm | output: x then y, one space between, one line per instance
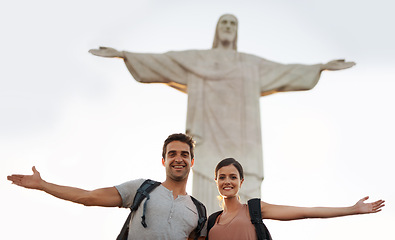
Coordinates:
338 64
107 52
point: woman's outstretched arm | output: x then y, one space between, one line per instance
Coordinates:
281 212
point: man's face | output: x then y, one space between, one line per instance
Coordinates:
177 161
227 28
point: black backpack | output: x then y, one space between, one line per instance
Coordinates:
254 206
143 192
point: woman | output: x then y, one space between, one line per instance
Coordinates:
234 222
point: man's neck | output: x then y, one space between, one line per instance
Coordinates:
177 187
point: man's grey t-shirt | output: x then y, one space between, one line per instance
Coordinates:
166 217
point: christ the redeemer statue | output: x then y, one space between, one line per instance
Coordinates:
224 87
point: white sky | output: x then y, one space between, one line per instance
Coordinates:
83 121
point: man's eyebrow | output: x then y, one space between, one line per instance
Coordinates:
174 151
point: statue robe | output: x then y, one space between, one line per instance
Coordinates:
223 116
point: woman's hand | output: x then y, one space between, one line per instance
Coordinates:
362 208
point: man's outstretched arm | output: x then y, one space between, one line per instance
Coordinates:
104 197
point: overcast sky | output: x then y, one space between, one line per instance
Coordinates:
84 121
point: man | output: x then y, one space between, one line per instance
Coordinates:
224 87
170 213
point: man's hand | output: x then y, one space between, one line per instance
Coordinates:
28 181
338 64
107 52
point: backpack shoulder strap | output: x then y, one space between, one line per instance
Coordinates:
211 221
142 192
254 206
202 216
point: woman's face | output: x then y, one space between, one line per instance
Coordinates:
228 181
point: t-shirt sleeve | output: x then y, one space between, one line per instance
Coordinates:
128 190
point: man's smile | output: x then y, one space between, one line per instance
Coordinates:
178 166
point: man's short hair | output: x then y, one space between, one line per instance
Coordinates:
182 138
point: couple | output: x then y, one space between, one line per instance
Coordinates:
171 214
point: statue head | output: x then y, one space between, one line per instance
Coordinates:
226 32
